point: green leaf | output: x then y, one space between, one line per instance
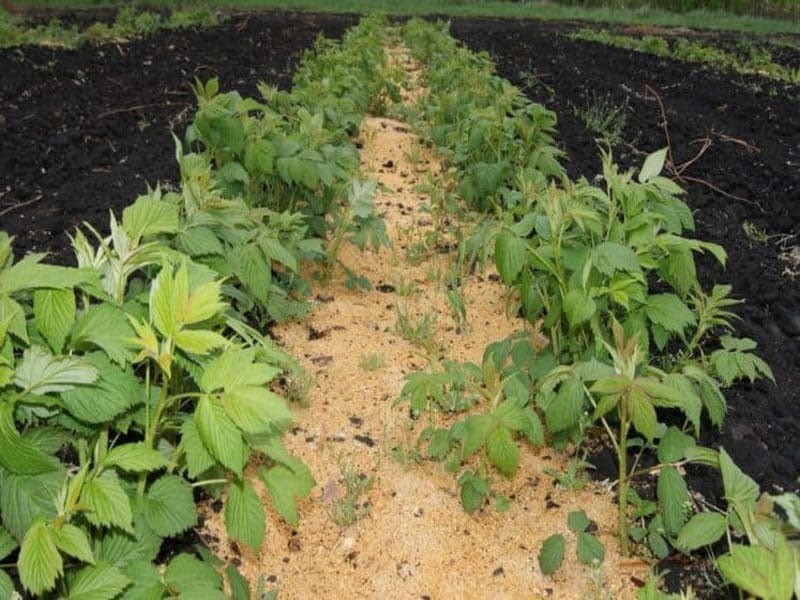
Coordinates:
256 409
106 327
42 373
99 582
121 549
643 415
551 554
740 490
673 445
579 307
106 502
578 521
7 543
219 434
29 274
169 507
673 496
252 269
478 428
244 515
668 311
653 165
566 409
149 216
285 485
474 491
6 585
758 571
610 257
198 459
18 455
115 392
73 541
240 589
590 550
509 256
145 582
703 529
503 453
54 312
186 574
199 341
24 498
39 562
135 457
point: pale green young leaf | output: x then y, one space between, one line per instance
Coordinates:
244 515
703 529
39 562
30 274
285 485
199 341
203 303
503 453
149 216
72 540
106 502
590 550
198 459
40 372
673 496
256 410
135 457
98 582
169 507
551 554
509 256
104 326
653 165
54 315
759 571
219 434
163 303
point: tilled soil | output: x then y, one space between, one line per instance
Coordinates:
85 131
762 425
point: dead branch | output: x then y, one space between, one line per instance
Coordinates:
13 207
117 111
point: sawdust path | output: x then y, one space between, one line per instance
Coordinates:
415 540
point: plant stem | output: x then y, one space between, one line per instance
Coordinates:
622 457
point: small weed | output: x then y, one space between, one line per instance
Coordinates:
574 477
372 362
419 333
404 288
350 509
605 118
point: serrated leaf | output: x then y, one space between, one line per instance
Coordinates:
610 257
149 216
72 540
503 453
99 582
673 495
116 391
18 455
7 543
703 529
186 574
199 341
478 428
653 165
120 549
474 491
106 502
758 571
256 410
219 434
244 515
566 409
24 498
39 563
145 582
643 414
106 327
509 255
673 445
252 270
169 507
589 549
669 312
285 485
6 585
54 313
579 307
578 521
198 459
551 554
30 274
135 457
40 372
740 490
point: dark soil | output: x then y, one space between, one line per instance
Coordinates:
763 426
84 131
